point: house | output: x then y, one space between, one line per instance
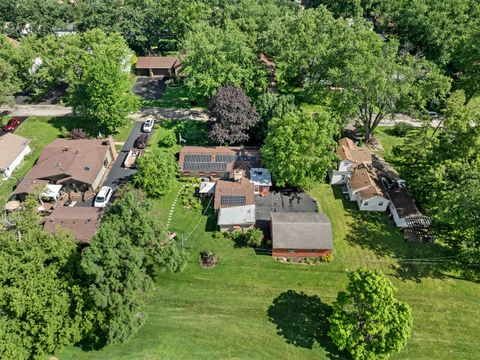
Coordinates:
81 221
158 66
299 234
217 162
237 192
236 218
14 148
364 188
78 165
262 180
350 156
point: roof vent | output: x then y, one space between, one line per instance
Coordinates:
86 168
65 149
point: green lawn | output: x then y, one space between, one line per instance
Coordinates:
388 141
251 307
41 131
176 96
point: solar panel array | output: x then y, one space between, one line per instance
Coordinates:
205 166
198 158
233 200
225 158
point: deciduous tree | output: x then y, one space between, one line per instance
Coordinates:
367 320
232 116
299 148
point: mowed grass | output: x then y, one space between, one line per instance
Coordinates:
176 96
42 131
251 307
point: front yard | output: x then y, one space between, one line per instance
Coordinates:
251 307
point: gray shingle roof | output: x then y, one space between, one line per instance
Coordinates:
301 231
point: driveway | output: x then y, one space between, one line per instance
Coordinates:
281 201
22 119
149 88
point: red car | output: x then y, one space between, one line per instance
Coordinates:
12 124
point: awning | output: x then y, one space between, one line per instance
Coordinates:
52 191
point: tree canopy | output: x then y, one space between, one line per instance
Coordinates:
232 116
367 320
299 148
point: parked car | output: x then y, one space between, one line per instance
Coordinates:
12 124
103 197
142 141
433 113
148 125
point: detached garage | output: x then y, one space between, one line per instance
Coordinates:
301 235
158 66
14 148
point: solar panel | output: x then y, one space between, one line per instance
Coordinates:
233 200
225 158
198 158
204 166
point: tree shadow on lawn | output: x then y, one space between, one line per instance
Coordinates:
374 231
65 124
303 321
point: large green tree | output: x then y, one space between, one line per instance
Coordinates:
367 320
103 91
42 302
299 148
157 170
217 57
8 83
468 56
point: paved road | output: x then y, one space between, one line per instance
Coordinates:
39 110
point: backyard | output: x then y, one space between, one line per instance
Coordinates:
251 307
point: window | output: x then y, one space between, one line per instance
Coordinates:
257 188
380 203
105 162
343 177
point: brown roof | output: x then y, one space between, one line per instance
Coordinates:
233 157
157 62
11 146
348 150
403 202
81 221
76 160
230 193
364 182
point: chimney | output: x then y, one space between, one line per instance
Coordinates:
237 175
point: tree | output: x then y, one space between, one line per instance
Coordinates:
467 58
42 303
119 264
232 116
156 172
371 80
299 148
103 92
367 320
8 85
269 106
218 57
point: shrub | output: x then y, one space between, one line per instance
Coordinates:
326 259
169 140
401 129
254 237
208 258
76 134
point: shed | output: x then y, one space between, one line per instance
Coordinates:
14 148
301 235
236 218
158 66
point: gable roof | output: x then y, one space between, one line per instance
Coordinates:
237 215
157 62
363 182
77 160
81 221
234 193
11 145
301 231
348 150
